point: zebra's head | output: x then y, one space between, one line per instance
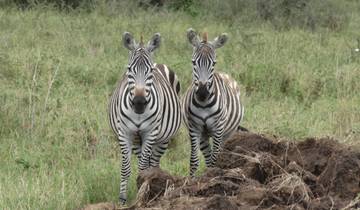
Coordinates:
140 70
204 60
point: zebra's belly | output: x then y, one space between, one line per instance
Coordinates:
169 127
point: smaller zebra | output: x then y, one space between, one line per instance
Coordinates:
144 110
211 106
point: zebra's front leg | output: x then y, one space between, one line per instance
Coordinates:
206 149
149 139
194 160
217 147
125 147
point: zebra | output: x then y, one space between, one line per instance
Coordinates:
144 109
211 106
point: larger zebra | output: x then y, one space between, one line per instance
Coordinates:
144 110
211 105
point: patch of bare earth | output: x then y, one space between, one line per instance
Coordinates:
257 172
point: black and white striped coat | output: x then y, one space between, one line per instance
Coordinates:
144 110
211 106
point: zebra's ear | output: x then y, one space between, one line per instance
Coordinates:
220 40
128 41
154 42
193 37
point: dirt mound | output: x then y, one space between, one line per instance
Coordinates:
258 172
100 206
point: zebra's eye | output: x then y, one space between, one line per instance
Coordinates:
193 62
130 75
214 63
149 77
147 91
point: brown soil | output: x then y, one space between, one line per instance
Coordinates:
257 172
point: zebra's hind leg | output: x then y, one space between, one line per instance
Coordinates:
157 152
125 168
146 149
136 148
137 151
206 149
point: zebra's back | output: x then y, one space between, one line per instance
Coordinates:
230 82
171 108
230 92
170 76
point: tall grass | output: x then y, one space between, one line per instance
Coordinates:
57 70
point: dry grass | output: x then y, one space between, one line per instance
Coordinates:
293 185
352 205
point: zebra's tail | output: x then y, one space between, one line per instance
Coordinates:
169 76
242 129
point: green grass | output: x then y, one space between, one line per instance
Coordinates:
57 71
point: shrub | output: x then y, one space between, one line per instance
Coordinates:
284 14
61 4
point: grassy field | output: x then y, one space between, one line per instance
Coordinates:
58 69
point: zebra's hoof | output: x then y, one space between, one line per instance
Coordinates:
122 199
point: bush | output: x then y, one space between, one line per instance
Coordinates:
284 14
188 6
61 4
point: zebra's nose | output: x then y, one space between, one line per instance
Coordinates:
139 90
139 104
202 92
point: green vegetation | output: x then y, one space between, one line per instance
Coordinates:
58 68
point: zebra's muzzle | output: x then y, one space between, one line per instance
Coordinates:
202 92
139 104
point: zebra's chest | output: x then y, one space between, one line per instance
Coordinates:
138 122
208 117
